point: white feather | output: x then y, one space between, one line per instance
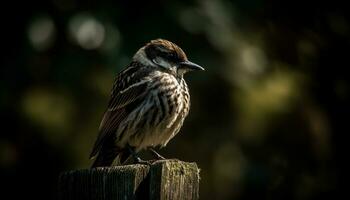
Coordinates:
141 57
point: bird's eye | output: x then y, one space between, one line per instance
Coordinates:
172 56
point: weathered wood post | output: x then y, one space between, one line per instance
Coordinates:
163 180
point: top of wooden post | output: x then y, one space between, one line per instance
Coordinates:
164 179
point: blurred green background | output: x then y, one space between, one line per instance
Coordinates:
267 115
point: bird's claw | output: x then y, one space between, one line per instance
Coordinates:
157 155
138 160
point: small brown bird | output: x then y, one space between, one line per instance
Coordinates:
148 104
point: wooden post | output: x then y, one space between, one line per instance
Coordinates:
163 180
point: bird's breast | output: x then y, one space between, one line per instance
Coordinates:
173 93
174 96
161 114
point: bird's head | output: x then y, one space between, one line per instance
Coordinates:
167 56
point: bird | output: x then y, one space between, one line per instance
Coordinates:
148 104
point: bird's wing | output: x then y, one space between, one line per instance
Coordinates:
129 86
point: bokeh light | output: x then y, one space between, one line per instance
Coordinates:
87 31
41 33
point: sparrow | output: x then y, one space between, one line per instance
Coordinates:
148 104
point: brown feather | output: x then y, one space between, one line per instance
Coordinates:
123 94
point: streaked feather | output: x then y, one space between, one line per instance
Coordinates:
123 93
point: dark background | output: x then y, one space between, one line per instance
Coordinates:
268 117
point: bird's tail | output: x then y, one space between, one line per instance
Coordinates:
106 157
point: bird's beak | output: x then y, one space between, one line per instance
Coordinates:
190 66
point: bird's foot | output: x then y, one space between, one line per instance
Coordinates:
138 160
156 154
